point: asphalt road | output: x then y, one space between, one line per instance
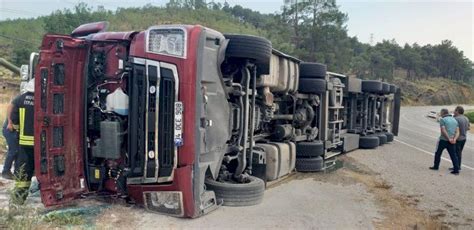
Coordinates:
404 165
418 131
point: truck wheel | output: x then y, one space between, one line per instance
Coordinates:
369 142
393 88
314 164
371 86
386 88
389 136
237 194
312 85
312 70
382 138
250 47
309 149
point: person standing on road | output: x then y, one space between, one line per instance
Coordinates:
11 136
464 126
449 134
23 113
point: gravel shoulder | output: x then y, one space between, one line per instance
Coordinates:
351 197
301 201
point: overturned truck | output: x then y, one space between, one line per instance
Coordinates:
181 119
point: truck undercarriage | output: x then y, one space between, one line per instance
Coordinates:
181 119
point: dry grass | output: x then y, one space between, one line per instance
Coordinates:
433 91
399 211
382 185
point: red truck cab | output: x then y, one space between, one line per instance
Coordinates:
146 152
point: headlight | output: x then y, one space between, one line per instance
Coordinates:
24 70
165 41
166 202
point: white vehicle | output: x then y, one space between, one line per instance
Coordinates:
432 114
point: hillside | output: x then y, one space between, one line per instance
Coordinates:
434 92
308 41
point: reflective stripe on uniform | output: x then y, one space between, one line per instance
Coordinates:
24 139
22 184
27 143
22 122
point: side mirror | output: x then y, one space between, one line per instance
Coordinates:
90 28
24 73
32 64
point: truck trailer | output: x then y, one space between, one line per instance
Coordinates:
181 119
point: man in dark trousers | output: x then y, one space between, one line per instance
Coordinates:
23 116
464 126
447 140
11 136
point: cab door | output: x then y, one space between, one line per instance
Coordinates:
60 78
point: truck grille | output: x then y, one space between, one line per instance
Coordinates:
137 120
166 148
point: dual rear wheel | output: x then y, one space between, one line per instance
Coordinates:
375 140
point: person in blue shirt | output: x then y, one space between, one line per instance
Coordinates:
449 134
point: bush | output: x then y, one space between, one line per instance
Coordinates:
470 116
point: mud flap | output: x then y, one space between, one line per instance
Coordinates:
396 111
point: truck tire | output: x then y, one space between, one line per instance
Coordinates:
382 138
250 47
313 70
315 164
372 86
312 85
385 88
236 194
369 142
393 88
390 136
309 149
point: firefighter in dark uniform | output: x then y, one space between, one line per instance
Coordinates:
23 116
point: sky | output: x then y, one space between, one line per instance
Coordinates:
417 21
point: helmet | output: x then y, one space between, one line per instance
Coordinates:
30 86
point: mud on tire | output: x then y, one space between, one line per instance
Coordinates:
250 47
236 194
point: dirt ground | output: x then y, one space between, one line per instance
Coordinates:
398 210
352 196
383 208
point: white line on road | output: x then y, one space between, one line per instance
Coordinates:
432 154
432 137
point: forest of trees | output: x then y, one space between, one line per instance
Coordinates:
312 30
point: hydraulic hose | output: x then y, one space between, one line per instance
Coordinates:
242 160
252 115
